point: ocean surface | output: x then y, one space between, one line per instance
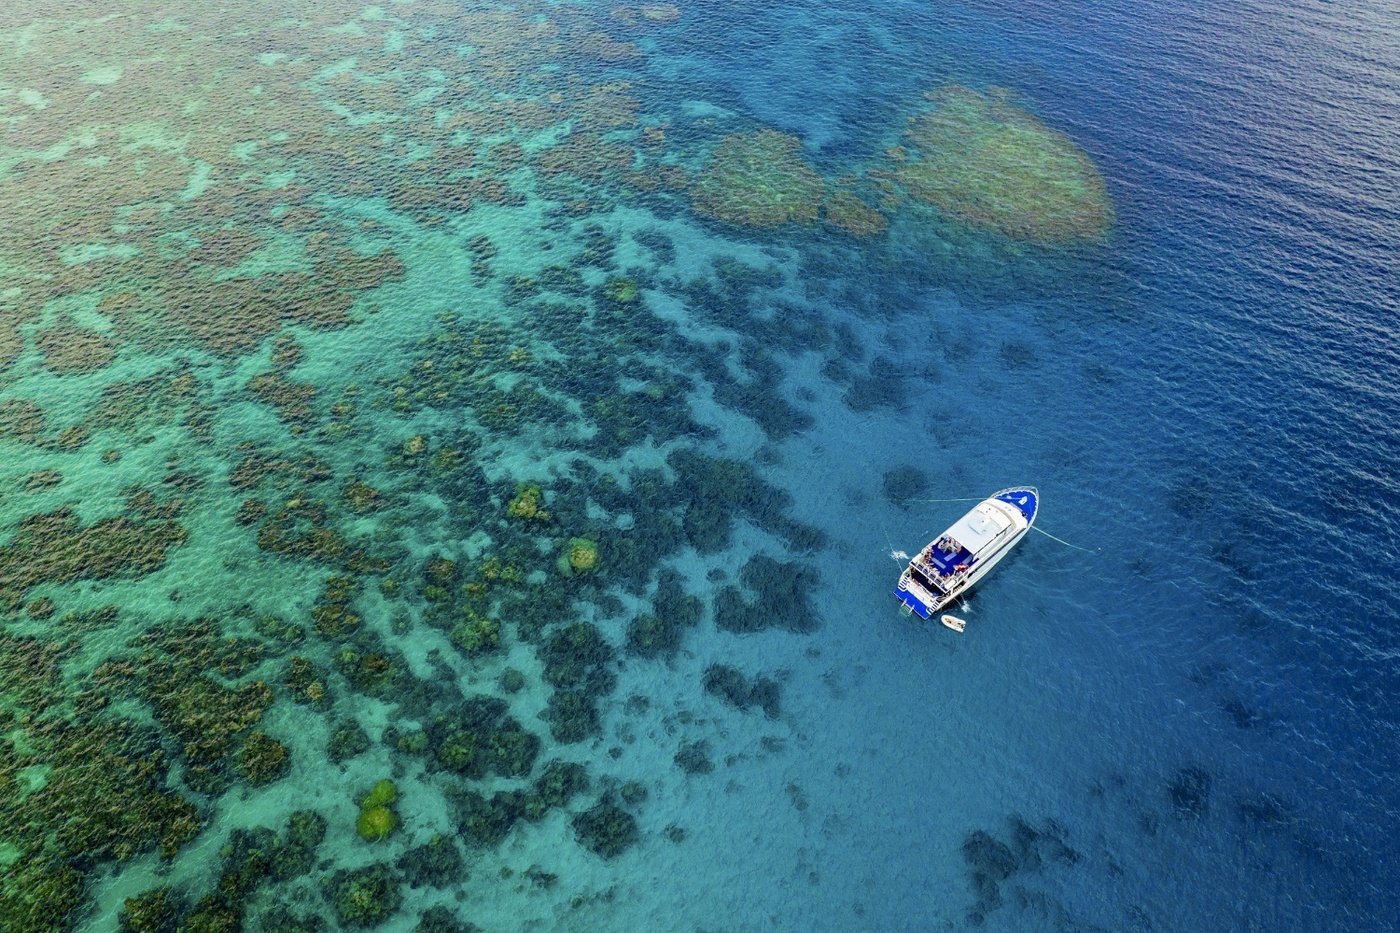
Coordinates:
451 458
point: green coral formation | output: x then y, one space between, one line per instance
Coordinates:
758 179
980 158
376 823
476 634
383 793
528 504
580 556
622 291
377 820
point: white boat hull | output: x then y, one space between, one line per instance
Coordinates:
953 563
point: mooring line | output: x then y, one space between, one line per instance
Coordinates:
1064 542
965 499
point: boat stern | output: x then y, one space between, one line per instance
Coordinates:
911 603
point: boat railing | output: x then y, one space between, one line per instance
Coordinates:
943 579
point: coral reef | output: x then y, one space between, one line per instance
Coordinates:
172 670
558 783
580 556
730 684
993 863
476 634
222 236
70 348
981 158
758 179
606 829
578 663
784 598
263 759
849 213
441 919
435 864
104 796
528 503
904 483
479 738
153 911
622 291
694 757
1189 791
281 920
376 823
364 897
347 740
512 680
57 548
659 634
383 793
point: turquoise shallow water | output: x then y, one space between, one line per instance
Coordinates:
521 404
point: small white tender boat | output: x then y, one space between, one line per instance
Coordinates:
951 563
954 623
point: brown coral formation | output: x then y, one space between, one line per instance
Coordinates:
585 156
292 400
57 548
985 160
70 348
758 179
11 343
103 794
139 145
850 214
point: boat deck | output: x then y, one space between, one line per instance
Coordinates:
945 561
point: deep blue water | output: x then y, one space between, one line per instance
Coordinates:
1212 406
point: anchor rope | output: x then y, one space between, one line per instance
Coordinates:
1064 542
963 499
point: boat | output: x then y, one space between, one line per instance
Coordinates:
954 623
953 562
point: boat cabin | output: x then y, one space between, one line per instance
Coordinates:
945 561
